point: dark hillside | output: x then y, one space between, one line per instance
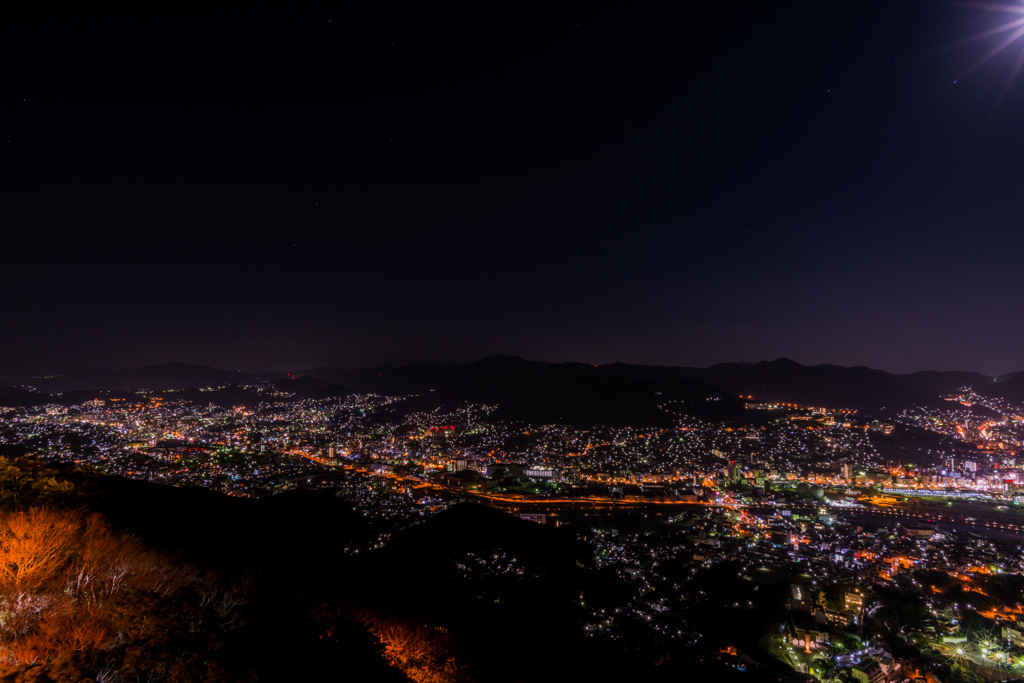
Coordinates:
469 527
208 587
311 387
1012 389
831 386
11 397
295 528
945 383
568 394
492 580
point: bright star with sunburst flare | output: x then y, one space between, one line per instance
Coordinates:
1015 28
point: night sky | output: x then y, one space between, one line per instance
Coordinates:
255 189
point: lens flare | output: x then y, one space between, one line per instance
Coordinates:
1016 29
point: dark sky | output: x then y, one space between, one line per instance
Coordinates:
269 189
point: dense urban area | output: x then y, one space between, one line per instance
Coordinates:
865 548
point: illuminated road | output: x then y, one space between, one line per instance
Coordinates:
516 503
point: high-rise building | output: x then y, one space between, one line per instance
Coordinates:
466 462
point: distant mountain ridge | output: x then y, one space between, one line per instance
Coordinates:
834 386
568 394
154 377
781 380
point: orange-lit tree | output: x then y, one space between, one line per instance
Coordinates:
69 583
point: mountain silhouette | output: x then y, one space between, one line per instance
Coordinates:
1011 390
569 394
